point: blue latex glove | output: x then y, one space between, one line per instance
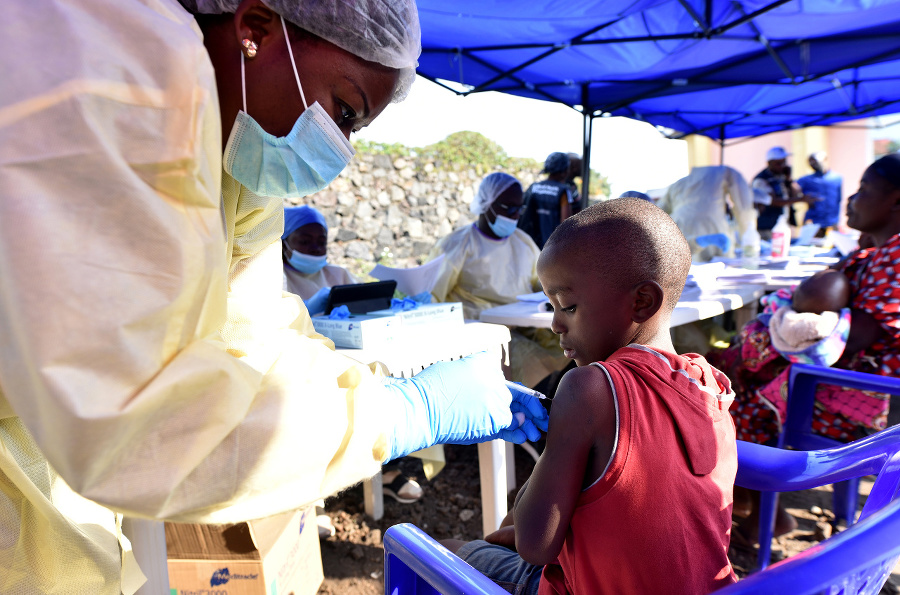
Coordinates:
460 402
404 305
342 312
722 241
316 304
422 298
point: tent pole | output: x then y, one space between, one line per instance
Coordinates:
586 157
721 145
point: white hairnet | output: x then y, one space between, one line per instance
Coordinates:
382 31
492 186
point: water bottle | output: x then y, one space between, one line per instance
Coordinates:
750 248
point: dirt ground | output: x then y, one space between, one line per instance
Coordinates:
451 508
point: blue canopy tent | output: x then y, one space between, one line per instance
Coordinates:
721 68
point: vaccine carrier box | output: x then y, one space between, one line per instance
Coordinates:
359 331
427 315
278 555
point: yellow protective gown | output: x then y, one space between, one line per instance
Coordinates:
306 286
483 272
120 376
697 204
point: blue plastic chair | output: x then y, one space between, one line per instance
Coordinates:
797 434
415 564
857 560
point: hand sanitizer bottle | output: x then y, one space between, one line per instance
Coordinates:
781 238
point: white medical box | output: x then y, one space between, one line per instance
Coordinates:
359 331
450 313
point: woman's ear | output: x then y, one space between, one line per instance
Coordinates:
256 26
647 299
894 192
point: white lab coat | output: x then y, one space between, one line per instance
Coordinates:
120 374
697 204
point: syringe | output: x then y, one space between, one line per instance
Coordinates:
524 389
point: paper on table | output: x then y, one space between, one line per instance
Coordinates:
743 276
845 243
538 298
412 281
807 233
704 275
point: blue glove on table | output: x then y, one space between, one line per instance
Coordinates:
720 240
316 304
460 402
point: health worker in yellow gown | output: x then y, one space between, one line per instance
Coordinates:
488 264
150 363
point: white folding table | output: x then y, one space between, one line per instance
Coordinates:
705 305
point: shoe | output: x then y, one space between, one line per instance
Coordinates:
326 527
403 489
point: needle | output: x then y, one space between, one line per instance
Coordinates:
525 389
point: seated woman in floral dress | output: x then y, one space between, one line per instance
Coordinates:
865 338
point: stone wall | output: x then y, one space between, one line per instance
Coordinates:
392 210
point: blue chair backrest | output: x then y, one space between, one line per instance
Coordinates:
857 560
415 564
802 382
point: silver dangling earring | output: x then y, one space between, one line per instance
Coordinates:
250 47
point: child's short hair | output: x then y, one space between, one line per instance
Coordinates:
628 240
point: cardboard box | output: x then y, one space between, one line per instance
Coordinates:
358 332
278 555
450 313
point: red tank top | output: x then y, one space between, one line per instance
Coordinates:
659 519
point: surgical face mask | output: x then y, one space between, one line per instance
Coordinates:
502 226
306 263
304 162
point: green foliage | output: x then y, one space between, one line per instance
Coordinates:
386 257
467 149
459 150
599 184
391 149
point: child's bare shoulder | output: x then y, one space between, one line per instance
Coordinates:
583 420
584 393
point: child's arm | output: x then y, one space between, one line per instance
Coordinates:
579 443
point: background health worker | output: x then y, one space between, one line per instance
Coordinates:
489 263
149 361
304 247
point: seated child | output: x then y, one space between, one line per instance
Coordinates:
633 492
826 291
813 326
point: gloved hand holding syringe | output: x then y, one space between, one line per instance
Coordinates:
465 401
515 386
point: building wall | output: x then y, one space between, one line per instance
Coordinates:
849 152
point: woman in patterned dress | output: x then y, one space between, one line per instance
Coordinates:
759 373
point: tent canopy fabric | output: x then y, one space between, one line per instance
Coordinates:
720 68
